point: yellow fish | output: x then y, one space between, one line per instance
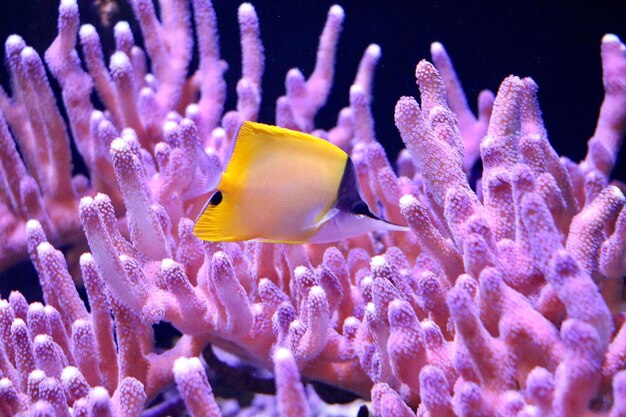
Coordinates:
284 186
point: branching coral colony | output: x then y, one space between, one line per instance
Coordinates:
507 301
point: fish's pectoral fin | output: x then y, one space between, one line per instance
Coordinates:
329 215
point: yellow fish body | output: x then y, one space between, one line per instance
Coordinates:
286 186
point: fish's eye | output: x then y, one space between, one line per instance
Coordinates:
216 199
361 208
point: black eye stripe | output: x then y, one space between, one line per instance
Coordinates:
216 199
360 208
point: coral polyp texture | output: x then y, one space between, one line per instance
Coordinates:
505 299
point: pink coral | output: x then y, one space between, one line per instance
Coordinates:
505 300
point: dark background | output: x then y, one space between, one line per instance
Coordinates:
556 43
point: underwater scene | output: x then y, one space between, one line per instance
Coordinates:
312 208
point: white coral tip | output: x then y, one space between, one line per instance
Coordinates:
374 51
609 38
282 354
436 48
87 30
246 9
406 201
336 11
378 261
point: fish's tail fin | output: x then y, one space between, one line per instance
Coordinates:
207 173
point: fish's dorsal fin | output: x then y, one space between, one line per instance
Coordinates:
207 173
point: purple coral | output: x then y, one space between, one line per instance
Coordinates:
507 300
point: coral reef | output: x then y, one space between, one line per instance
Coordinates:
506 300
